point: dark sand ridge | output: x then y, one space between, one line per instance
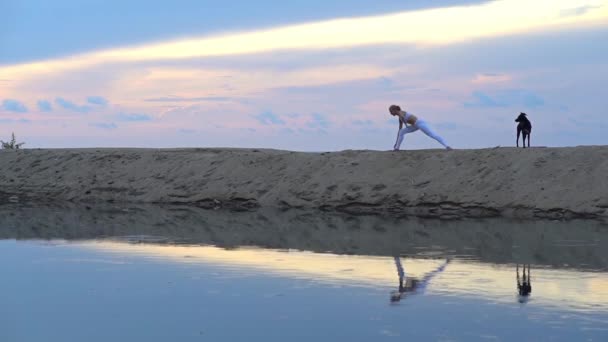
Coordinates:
531 183
562 244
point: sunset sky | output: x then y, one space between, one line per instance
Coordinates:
304 75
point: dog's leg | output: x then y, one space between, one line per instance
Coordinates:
529 135
517 141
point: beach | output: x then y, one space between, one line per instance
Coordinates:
554 183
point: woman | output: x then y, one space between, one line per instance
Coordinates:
412 124
410 285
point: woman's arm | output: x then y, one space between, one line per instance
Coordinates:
400 127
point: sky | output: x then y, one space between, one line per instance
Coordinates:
305 75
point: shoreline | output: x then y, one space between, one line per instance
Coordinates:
536 183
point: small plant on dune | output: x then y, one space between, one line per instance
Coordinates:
11 145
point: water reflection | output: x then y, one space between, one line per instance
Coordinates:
580 245
412 285
297 274
524 284
449 276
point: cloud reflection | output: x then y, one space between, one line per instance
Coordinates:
566 289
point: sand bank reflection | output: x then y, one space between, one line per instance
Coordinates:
579 245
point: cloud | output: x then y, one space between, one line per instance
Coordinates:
103 125
12 121
588 124
189 99
14 106
363 123
419 28
491 78
188 18
484 101
532 101
97 100
576 11
45 106
186 131
71 106
269 118
133 117
353 92
506 98
318 121
386 82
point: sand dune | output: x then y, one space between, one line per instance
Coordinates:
531 183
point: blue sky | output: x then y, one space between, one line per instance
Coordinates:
305 75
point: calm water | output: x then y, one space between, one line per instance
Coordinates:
183 274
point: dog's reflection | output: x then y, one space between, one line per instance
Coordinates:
411 285
524 284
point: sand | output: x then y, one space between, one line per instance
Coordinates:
560 183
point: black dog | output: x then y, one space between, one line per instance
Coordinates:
524 126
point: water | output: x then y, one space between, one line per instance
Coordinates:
183 274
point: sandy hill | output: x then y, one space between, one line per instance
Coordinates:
537 182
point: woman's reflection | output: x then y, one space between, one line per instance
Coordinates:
524 284
411 285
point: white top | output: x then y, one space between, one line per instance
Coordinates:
407 116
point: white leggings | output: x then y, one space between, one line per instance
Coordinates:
419 125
